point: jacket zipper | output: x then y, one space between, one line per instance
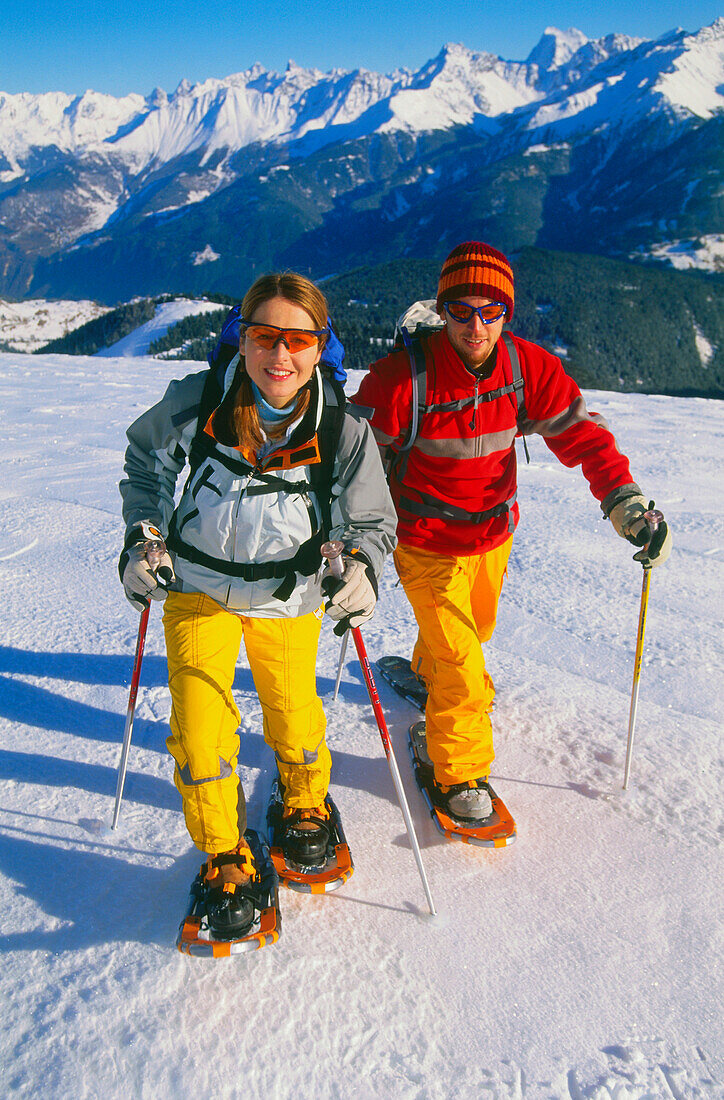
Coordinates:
255 471
473 418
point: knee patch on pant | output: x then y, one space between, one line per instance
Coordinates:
213 804
225 770
303 770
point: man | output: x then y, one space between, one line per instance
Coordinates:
454 490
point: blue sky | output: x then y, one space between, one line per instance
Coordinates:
122 46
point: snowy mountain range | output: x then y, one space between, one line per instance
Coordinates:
610 145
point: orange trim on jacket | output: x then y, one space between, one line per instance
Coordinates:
285 458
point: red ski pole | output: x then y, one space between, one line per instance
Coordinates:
154 552
332 552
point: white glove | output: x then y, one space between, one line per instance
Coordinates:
146 568
628 519
352 597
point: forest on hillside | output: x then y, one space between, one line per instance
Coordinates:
616 325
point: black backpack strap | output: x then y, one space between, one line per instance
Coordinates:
306 561
418 372
211 396
519 386
467 402
431 506
418 377
308 557
328 434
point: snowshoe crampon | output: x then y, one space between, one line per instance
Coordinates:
333 867
399 675
197 937
496 831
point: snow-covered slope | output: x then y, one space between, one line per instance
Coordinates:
688 83
257 105
26 326
167 314
579 963
705 253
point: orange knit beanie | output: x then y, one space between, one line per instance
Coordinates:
476 270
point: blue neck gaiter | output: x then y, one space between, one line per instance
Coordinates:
268 412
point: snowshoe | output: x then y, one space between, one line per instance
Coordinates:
399 675
221 922
495 831
311 861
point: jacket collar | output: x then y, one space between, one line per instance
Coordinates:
444 354
299 433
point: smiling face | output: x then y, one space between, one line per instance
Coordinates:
473 341
277 372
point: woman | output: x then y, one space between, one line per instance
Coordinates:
245 539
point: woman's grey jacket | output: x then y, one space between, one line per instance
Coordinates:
228 514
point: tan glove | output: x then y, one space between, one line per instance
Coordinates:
351 597
630 515
145 567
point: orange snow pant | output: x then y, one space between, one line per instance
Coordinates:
455 601
202 644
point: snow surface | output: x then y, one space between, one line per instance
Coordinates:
683 85
167 313
582 962
556 47
207 256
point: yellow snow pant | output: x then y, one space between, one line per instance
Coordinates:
202 644
455 601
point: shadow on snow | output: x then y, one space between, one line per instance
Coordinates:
32 705
83 668
52 771
99 898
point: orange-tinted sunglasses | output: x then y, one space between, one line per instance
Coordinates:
463 312
294 339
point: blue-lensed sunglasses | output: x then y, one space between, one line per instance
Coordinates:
463 312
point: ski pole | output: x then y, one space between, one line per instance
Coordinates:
653 518
342 653
154 553
332 551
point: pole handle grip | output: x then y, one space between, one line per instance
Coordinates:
653 517
332 551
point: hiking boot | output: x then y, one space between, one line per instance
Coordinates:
305 835
229 902
469 802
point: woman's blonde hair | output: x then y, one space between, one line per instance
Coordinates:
302 292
